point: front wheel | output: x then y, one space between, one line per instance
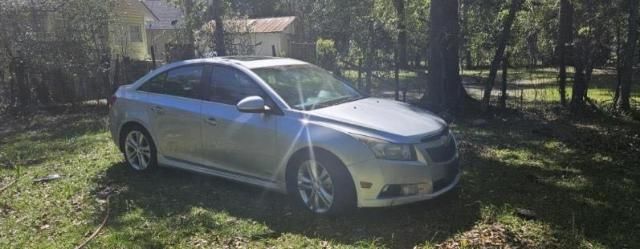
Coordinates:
322 185
139 150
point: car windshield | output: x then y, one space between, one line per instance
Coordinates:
307 87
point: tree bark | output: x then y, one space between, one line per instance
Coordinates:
368 60
579 87
618 64
20 75
565 38
629 57
190 26
444 86
402 33
497 58
218 12
505 69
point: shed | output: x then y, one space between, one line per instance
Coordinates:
260 36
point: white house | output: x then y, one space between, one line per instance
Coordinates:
164 30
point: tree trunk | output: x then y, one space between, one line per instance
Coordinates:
618 64
190 26
396 74
369 59
503 96
579 87
497 58
468 59
359 82
23 92
402 33
629 57
218 12
565 38
444 87
588 74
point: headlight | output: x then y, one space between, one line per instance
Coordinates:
385 150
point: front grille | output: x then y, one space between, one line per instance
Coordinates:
450 175
443 152
431 138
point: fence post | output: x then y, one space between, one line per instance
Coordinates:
397 76
116 75
153 57
359 83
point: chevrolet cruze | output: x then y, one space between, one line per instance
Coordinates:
285 125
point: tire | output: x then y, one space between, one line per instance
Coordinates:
138 149
328 168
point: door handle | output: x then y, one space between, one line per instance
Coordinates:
157 109
212 121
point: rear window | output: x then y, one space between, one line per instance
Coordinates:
181 82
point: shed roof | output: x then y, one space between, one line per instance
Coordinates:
259 25
269 25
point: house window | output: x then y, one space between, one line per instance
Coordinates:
135 33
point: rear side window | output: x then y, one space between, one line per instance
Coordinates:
155 84
230 85
181 82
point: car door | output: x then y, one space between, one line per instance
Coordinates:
174 104
243 143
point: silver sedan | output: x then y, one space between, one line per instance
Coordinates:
284 125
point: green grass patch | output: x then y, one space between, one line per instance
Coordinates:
579 176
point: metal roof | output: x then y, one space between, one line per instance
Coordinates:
270 25
259 25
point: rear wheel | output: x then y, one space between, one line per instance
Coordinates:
139 150
321 185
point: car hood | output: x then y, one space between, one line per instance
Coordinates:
392 120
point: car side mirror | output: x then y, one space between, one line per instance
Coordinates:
252 104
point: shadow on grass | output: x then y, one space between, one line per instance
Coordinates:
38 137
170 193
579 176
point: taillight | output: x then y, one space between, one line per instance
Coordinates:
112 100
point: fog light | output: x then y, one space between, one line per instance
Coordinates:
366 184
410 189
399 190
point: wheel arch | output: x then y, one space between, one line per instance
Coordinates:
317 151
129 125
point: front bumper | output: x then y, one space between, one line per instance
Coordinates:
372 176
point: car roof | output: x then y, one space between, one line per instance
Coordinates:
250 62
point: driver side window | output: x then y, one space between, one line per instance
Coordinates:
229 86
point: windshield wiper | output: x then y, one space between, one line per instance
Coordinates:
336 101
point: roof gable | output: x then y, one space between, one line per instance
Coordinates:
135 6
168 15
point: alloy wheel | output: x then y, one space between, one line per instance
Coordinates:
315 186
137 150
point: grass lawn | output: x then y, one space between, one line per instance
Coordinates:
527 88
579 176
540 85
